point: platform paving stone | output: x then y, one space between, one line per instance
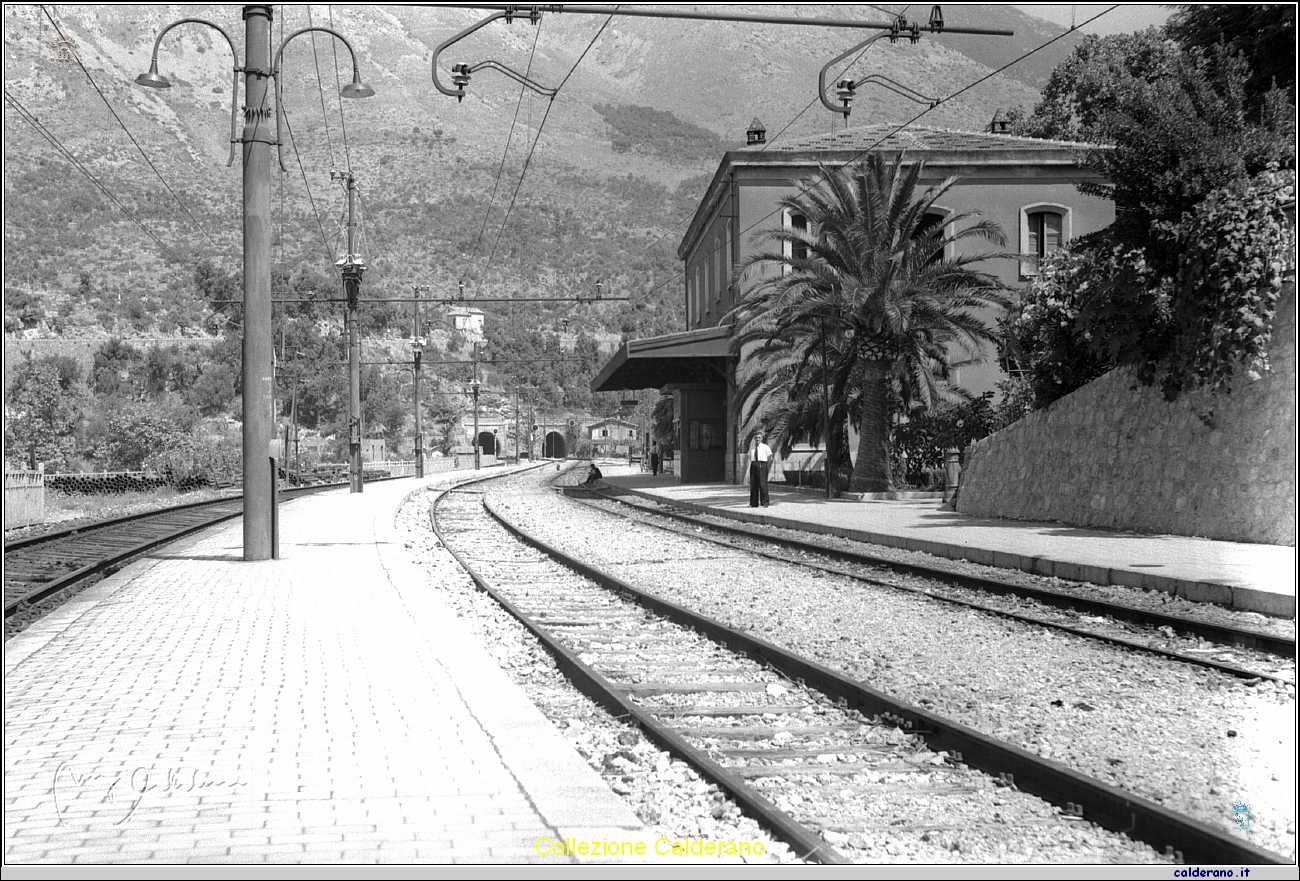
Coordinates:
1252 577
324 707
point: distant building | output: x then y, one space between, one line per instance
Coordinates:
1025 185
467 319
613 437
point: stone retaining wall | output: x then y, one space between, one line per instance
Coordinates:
1115 454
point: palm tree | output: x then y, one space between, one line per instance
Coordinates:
874 281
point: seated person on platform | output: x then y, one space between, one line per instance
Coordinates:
593 474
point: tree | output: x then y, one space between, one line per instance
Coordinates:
663 425
1263 35
43 408
445 414
115 370
384 408
1183 286
129 435
872 278
1088 85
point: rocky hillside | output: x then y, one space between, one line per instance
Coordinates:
617 171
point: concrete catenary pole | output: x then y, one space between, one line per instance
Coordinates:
258 346
474 385
417 355
352 271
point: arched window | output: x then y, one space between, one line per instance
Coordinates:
1044 228
798 250
793 250
1044 233
936 218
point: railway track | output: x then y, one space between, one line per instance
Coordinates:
1119 623
815 755
42 568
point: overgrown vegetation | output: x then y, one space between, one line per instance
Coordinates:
1200 161
659 133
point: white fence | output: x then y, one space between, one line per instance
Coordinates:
24 498
432 465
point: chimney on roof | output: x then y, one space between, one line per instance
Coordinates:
757 133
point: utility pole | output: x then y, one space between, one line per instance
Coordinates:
353 267
258 346
297 457
516 426
474 385
417 347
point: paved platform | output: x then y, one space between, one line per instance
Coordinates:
1254 577
325 707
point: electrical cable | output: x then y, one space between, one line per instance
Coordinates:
32 120
320 85
365 215
143 155
529 158
329 255
343 121
523 88
863 152
686 221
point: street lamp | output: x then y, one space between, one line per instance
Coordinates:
257 369
474 384
417 352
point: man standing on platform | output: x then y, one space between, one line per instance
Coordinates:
760 459
654 459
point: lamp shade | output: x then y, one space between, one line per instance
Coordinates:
153 79
356 88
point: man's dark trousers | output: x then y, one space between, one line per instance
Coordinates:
758 483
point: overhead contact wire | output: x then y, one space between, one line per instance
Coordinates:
496 181
131 137
864 151
529 158
31 119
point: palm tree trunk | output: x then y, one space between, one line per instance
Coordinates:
873 473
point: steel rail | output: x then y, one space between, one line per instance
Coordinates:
49 588
1103 804
1133 645
30 541
804 841
1279 646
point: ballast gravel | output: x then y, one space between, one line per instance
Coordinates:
666 793
1193 740
1150 600
1163 638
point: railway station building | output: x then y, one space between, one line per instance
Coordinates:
1025 185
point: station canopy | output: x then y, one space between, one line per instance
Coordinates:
693 356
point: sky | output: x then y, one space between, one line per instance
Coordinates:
1126 19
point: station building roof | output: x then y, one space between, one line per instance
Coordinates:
675 358
945 151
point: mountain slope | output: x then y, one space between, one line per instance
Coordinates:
595 204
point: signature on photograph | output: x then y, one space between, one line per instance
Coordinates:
130 788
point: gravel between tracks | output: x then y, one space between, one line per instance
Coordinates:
1191 739
1163 638
1150 600
665 792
